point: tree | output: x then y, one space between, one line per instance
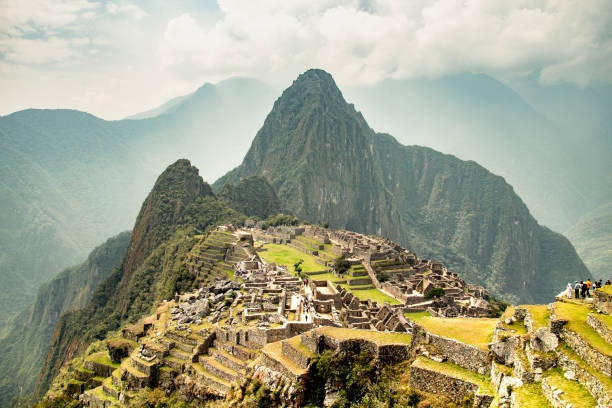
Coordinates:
297 267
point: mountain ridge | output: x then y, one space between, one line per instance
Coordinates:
326 163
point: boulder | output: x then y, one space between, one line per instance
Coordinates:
544 340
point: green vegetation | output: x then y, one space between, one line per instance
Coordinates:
540 315
606 289
453 370
284 255
603 379
530 396
179 207
477 332
29 335
373 294
574 392
576 316
466 216
417 316
378 337
435 293
253 197
341 265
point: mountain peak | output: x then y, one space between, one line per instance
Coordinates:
315 82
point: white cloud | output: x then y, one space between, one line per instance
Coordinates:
19 16
105 57
131 10
565 39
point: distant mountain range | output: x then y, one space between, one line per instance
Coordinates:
315 155
69 180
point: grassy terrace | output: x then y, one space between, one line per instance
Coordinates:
574 391
284 255
296 342
603 379
274 350
102 358
341 333
606 289
454 370
540 315
576 316
517 326
530 396
417 316
476 332
605 319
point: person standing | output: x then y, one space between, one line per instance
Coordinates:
577 287
588 288
582 289
569 290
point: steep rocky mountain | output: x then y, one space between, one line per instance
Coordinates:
179 207
68 178
325 163
475 117
592 236
25 344
252 196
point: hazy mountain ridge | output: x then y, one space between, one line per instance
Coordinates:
592 236
475 117
69 178
325 163
27 339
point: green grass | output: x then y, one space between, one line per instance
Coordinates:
102 358
574 391
576 316
517 326
417 316
284 255
530 396
606 289
605 381
454 370
605 319
476 332
373 294
341 333
311 241
540 315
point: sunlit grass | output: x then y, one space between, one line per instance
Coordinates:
476 332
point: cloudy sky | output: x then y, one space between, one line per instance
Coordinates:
116 58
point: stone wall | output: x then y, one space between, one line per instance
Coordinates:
600 327
300 359
451 387
388 353
590 382
462 354
589 354
603 301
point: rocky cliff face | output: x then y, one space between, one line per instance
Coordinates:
179 206
325 163
24 346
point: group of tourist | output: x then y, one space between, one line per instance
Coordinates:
583 289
